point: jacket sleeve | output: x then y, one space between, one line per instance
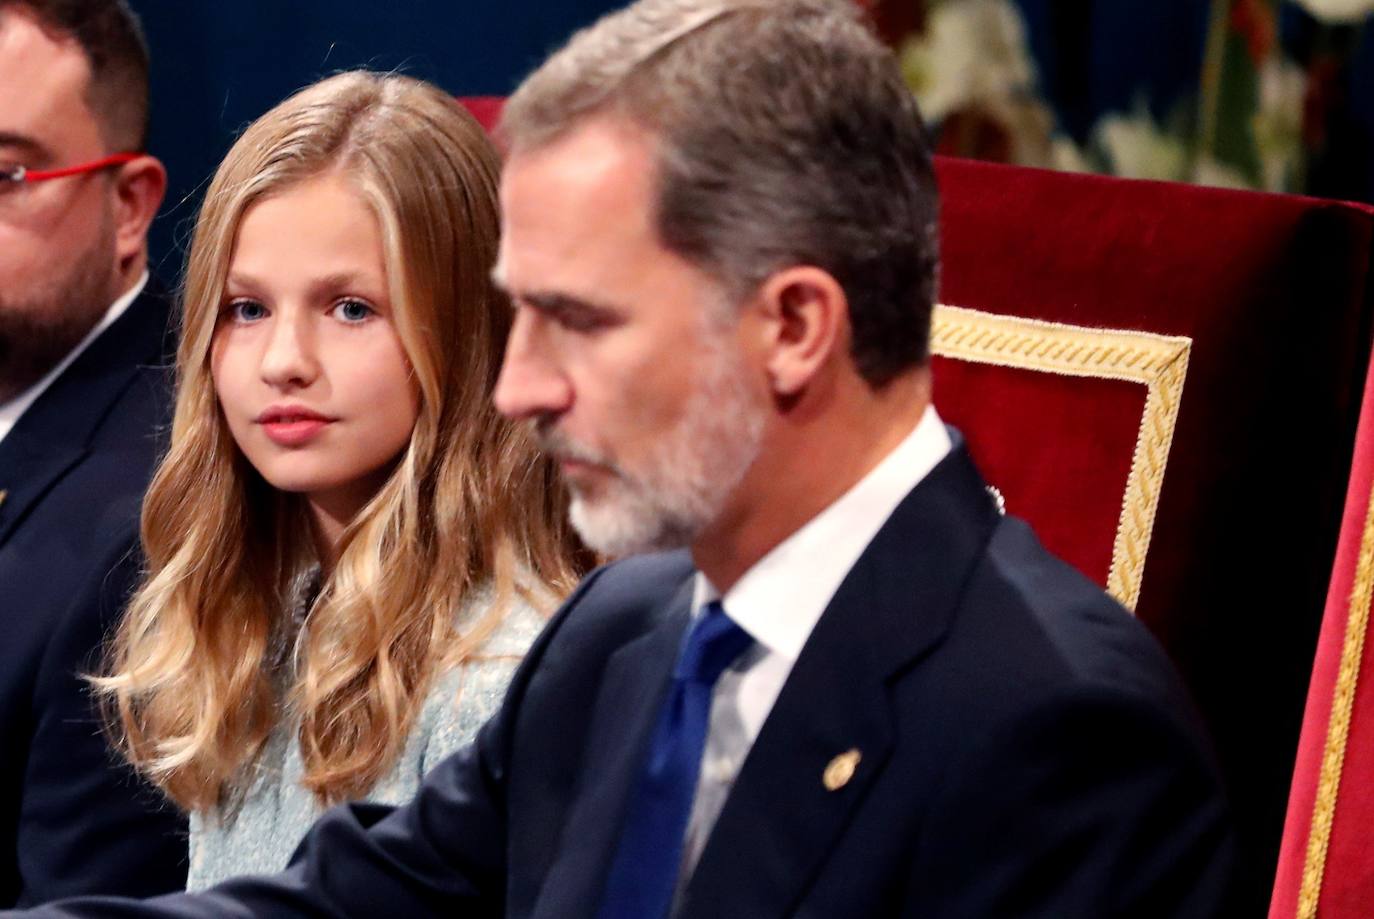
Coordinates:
87 823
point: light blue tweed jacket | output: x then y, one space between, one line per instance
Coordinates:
277 811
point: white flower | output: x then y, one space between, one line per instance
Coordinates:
1338 10
1066 157
1277 123
972 52
1282 88
1138 149
1208 171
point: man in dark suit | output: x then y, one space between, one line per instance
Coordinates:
847 686
83 390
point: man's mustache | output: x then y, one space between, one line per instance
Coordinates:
557 445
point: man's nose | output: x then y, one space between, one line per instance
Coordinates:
289 359
530 384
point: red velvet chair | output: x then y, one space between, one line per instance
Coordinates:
1165 381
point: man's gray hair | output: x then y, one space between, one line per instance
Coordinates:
784 135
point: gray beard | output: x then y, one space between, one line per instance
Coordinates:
684 482
41 325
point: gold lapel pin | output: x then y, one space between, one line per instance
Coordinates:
4 493
841 770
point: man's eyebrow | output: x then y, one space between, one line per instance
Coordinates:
25 144
565 305
556 303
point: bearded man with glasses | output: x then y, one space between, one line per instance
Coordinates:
83 345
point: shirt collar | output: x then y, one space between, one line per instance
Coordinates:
780 598
11 411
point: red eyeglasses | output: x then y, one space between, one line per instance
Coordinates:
23 174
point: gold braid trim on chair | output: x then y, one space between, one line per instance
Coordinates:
1338 728
1160 362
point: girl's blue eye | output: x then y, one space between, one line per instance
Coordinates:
247 311
353 311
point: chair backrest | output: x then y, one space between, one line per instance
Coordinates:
1165 380
486 109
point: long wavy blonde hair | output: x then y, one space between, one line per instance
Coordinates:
193 687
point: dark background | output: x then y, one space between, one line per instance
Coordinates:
217 66
1097 56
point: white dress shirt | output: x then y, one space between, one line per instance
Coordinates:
778 602
12 410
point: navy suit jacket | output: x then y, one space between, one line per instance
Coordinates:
1025 750
74 467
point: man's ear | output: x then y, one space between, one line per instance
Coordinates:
139 187
808 316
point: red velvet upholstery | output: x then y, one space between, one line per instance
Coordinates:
1275 295
486 109
1326 865
1072 492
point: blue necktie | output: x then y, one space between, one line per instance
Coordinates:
643 874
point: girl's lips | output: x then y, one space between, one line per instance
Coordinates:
294 432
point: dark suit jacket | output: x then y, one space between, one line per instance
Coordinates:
1026 750
74 468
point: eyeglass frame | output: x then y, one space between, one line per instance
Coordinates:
19 174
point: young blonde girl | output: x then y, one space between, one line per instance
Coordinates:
311 629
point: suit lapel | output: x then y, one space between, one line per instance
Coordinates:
27 471
830 733
632 688
53 435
